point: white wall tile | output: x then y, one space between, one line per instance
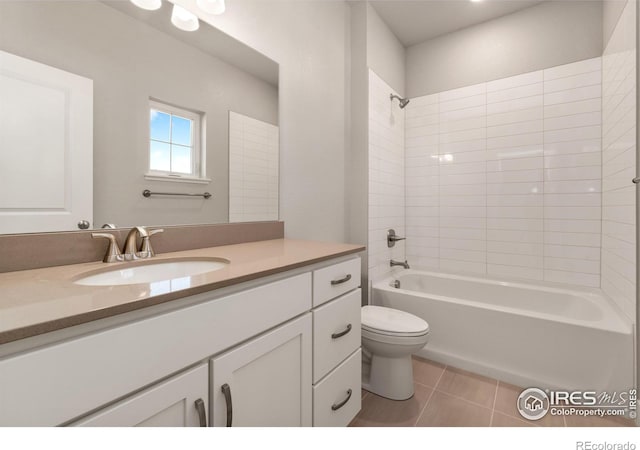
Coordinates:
522 115
515 81
253 169
513 93
514 105
619 160
574 81
387 148
506 177
572 95
567 70
579 107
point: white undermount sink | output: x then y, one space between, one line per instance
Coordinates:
152 272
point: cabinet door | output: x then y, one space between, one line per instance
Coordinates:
180 401
265 382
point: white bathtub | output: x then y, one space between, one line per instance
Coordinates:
525 334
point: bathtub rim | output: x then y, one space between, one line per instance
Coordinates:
613 320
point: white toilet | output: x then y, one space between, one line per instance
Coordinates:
389 337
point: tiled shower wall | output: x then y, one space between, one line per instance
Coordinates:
253 169
504 178
386 177
619 161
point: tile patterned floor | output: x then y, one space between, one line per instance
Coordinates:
449 397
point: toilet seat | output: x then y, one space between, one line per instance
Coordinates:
392 322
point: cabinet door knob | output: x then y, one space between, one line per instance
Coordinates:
337 406
226 390
341 280
342 333
202 413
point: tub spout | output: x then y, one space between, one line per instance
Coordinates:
404 264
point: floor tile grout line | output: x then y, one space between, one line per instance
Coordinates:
433 391
462 398
424 385
493 407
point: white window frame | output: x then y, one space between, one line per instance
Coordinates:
198 154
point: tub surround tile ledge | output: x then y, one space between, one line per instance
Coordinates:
42 300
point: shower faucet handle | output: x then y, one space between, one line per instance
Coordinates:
392 238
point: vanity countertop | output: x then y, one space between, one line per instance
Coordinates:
38 301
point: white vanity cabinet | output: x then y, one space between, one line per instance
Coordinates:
264 341
265 382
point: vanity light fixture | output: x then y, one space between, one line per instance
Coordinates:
211 6
476 1
184 19
150 5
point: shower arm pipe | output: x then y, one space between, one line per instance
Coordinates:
403 101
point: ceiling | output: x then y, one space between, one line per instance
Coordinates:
420 20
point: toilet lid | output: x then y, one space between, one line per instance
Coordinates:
379 319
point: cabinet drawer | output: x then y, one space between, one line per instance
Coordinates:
337 398
336 332
335 280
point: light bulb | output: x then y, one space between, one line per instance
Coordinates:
150 5
184 19
211 6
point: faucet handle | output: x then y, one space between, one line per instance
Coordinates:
146 250
113 251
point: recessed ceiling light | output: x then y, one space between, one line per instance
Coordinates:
184 19
475 1
150 5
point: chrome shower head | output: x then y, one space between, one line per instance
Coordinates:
403 101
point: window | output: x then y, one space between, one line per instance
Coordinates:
175 143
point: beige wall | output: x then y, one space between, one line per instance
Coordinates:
611 12
357 158
373 46
385 53
309 41
545 35
128 67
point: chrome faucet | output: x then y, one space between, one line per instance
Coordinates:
404 264
131 243
130 252
392 238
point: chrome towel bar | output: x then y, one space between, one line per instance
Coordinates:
147 193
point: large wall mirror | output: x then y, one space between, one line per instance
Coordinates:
111 115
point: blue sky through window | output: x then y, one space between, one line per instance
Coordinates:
171 143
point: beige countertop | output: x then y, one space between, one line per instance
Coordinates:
38 301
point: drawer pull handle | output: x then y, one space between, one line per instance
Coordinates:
342 333
202 413
337 406
341 280
226 390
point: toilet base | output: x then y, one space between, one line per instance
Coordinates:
390 378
